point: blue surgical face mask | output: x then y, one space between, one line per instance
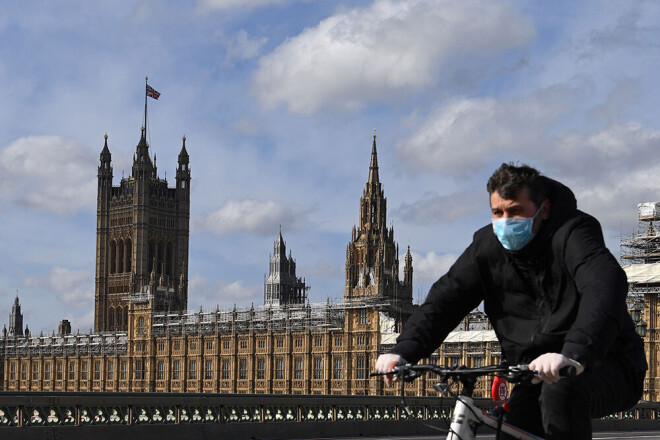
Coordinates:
515 232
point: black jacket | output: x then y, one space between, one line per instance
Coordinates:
564 292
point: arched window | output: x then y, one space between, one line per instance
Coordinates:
111 318
120 256
113 256
120 322
161 257
129 255
151 255
125 318
168 259
140 325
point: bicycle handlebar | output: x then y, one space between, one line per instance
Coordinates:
512 373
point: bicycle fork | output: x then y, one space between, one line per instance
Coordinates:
463 420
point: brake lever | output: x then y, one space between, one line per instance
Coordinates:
519 373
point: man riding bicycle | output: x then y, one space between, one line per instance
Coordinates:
555 297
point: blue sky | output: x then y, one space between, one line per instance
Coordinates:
278 100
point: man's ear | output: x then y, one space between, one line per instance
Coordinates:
545 209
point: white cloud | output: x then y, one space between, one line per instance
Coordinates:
247 127
610 170
241 47
433 208
253 216
428 268
72 289
466 134
214 293
48 173
368 54
235 4
465 137
322 269
611 151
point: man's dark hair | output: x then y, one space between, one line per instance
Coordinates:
508 180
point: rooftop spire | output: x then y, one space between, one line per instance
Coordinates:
183 154
105 152
373 167
280 246
143 166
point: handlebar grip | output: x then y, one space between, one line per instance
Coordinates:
568 371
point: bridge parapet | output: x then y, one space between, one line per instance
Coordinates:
235 415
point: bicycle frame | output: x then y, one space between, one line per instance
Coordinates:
467 417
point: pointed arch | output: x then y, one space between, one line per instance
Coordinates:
113 256
119 320
129 255
111 318
168 259
151 255
161 257
120 256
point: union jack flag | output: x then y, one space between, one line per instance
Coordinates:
151 92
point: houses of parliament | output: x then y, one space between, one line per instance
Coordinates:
145 339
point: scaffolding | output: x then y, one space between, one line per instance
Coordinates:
640 257
59 345
326 316
643 245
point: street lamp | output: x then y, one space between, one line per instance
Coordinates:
640 328
635 314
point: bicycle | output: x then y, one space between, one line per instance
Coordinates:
466 417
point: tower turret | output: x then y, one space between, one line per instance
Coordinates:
142 238
105 169
372 261
103 201
143 167
16 319
183 171
183 219
283 286
408 269
373 204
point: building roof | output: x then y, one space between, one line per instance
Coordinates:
454 337
471 336
643 273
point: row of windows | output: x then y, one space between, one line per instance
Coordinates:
118 288
118 318
121 221
261 343
192 371
162 222
162 255
121 252
70 372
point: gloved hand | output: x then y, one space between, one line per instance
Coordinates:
386 363
549 364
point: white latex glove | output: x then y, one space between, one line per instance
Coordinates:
386 363
549 364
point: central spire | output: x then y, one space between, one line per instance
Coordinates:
143 167
373 167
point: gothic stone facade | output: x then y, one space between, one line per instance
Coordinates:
141 236
283 286
144 340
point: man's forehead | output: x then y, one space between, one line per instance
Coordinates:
521 197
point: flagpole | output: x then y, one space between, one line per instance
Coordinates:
146 79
